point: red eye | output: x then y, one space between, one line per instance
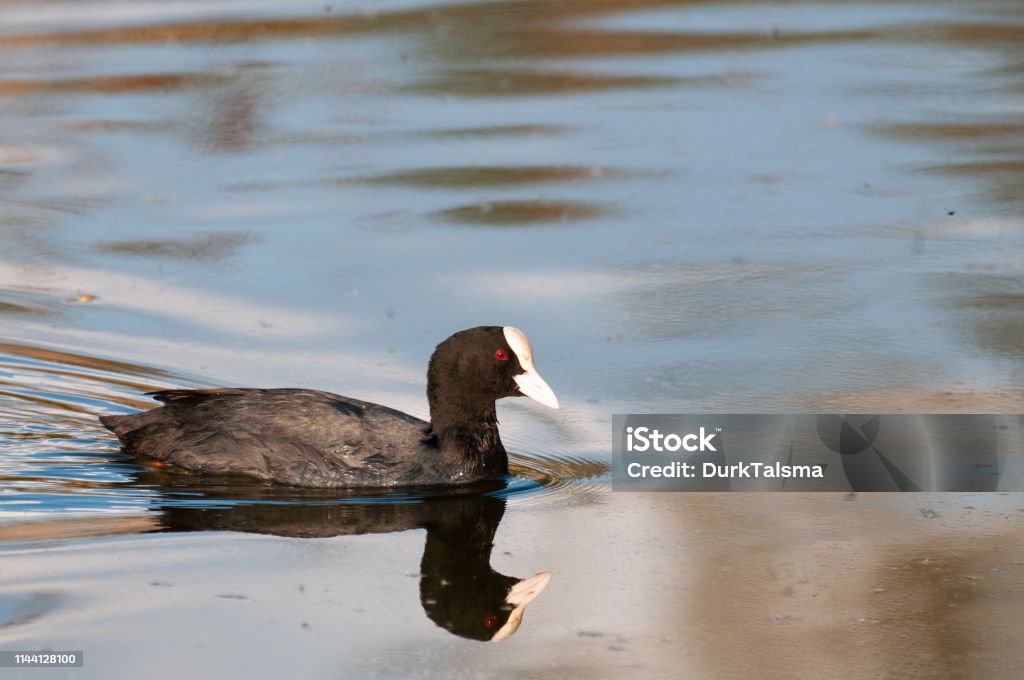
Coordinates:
490 621
501 355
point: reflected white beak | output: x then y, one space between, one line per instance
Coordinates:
520 595
529 382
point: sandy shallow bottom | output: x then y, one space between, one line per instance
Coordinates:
645 585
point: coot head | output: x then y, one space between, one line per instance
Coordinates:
468 372
489 607
475 367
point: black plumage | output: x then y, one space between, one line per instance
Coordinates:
317 439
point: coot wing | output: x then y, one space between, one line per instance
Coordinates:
289 436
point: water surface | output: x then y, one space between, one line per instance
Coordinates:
696 206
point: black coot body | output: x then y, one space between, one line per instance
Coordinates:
317 439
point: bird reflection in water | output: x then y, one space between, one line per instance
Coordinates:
459 590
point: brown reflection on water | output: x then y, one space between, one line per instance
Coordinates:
489 131
10 178
484 176
197 31
967 131
1003 177
513 82
1004 335
111 84
103 125
502 30
64 529
541 41
84 361
216 246
37 400
234 123
955 398
498 29
980 154
975 33
1013 166
15 308
521 213
992 307
987 147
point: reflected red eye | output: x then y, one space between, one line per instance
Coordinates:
501 355
490 621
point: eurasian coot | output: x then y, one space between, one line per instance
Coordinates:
317 439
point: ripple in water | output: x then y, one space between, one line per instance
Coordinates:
57 461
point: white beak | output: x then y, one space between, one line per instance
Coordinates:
534 387
520 595
529 381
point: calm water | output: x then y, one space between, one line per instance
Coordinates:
687 206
